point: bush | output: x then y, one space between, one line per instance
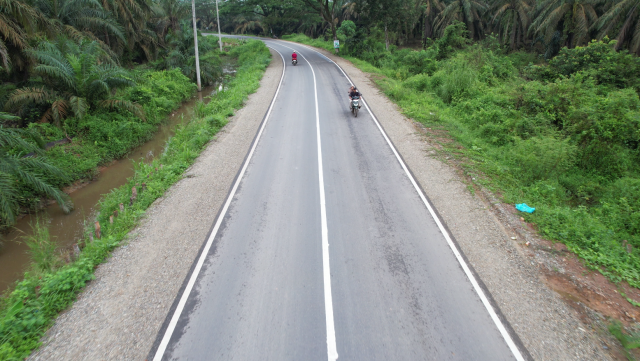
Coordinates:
102 136
598 59
454 80
537 159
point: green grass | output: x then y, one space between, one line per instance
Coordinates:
303 39
36 301
628 340
103 136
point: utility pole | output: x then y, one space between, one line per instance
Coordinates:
195 42
218 17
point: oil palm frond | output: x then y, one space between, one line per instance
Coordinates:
31 172
622 21
23 96
116 104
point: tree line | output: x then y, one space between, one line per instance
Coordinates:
546 25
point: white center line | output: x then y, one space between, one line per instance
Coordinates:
332 349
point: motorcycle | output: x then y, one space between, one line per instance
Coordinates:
294 62
354 106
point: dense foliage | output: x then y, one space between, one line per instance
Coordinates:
106 135
68 63
181 54
52 286
544 26
19 169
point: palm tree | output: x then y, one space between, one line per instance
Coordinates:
168 14
512 19
244 25
18 169
17 19
80 19
81 77
181 54
350 11
577 16
432 9
622 17
133 16
467 11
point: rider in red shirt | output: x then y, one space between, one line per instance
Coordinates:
294 55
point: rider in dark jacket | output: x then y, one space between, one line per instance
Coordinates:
353 92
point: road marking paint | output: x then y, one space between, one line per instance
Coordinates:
185 295
476 286
332 349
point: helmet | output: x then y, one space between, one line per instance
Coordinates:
294 51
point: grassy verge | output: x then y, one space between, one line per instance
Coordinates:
563 136
31 308
303 39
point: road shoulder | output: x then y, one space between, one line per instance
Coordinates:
119 313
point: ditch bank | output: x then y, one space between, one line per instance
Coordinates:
65 229
119 314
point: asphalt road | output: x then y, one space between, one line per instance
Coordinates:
327 246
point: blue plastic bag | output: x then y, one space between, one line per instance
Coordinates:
523 207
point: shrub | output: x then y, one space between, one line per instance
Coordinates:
598 59
454 80
540 158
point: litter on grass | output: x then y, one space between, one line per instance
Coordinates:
523 207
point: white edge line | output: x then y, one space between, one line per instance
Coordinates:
476 286
332 348
185 295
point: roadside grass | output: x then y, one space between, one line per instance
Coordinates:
561 137
303 39
630 340
42 248
32 307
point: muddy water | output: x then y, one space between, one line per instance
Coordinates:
66 229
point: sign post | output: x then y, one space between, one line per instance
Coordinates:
336 45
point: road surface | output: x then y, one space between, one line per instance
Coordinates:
327 248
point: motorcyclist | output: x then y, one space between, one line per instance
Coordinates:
353 92
294 56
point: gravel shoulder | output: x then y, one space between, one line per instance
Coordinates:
118 315
548 327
